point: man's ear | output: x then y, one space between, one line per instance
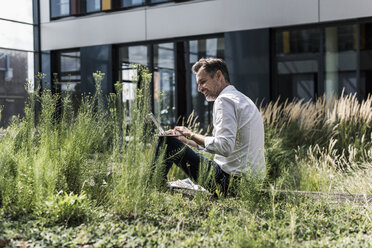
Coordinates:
218 74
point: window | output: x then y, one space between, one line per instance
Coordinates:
75 8
164 83
66 74
298 41
130 3
297 63
169 91
160 1
366 59
106 4
59 8
62 8
16 68
340 60
93 6
129 56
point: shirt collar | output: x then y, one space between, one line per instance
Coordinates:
227 89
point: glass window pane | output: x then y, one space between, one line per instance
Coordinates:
70 61
16 68
74 7
60 8
164 83
297 79
69 72
129 3
93 5
340 60
298 41
160 1
128 58
365 59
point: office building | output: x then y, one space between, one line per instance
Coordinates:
289 48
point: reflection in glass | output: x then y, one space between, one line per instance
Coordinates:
16 68
164 83
129 3
298 41
69 71
340 60
297 79
60 8
93 5
128 58
298 53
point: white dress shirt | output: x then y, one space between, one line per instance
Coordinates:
238 134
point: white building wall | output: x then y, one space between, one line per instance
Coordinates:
332 10
190 18
16 30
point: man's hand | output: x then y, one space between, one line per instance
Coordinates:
184 131
174 132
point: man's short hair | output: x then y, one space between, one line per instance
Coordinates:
211 66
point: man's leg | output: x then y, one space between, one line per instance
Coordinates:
180 154
189 161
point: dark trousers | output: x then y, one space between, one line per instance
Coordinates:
190 161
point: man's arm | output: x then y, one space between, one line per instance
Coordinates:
194 139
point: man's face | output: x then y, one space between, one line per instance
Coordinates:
210 87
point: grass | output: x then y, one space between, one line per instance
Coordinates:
81 177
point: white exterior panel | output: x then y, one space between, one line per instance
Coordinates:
213 16
44 11
15 35
172 20
17 10
93 30
332 10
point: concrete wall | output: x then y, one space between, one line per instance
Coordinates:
191 18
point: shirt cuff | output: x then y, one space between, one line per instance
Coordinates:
209 144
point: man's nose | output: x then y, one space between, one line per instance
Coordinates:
199 88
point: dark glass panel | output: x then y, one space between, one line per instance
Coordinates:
69 72
74 7
128 58
164 83
297 79
16 68
366 59
297 41
160 1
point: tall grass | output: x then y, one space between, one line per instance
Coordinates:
93 150
306 139
68 158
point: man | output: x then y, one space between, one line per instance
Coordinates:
238 134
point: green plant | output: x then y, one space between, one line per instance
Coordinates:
63 208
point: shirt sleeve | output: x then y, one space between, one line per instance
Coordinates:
225 128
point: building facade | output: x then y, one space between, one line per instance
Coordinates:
16 56
289 48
